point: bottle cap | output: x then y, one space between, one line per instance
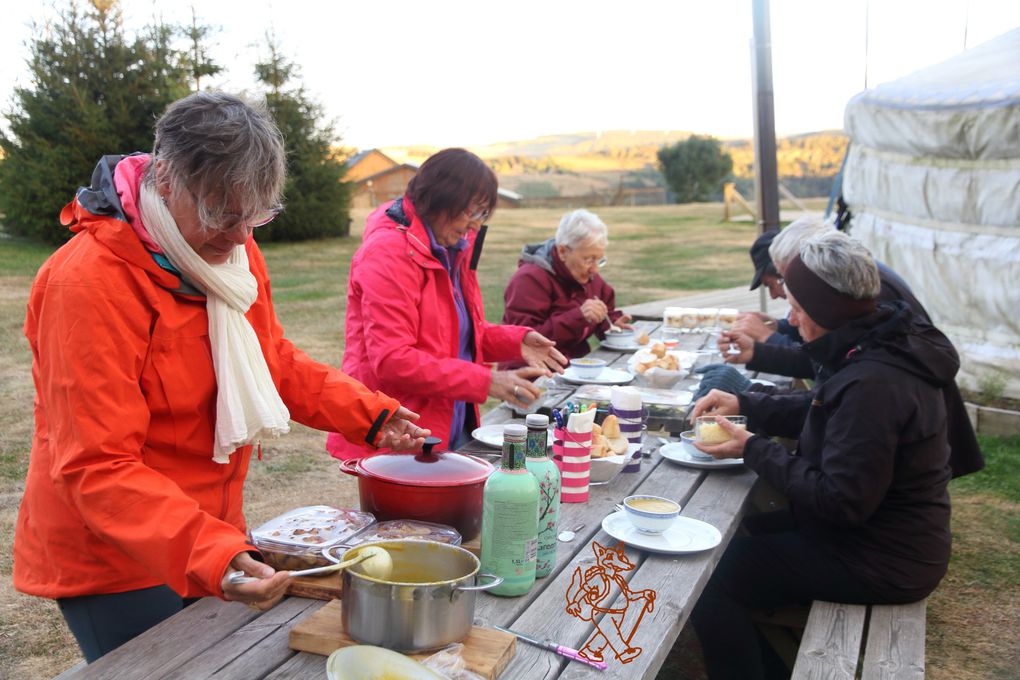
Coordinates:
515 431
537 420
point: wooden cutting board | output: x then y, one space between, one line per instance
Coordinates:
486 651
326 587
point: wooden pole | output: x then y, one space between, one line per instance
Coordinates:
766 176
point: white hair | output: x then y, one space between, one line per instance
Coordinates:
788 241
843 263
580 228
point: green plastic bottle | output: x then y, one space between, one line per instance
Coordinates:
510 518
548 476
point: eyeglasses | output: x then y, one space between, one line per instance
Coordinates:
257 220
227 222
593 261
477 215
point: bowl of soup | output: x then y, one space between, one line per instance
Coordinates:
587 368
650 514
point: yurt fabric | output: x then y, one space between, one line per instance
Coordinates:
933 182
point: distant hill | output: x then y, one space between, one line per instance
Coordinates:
595 162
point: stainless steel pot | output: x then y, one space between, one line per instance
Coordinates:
428 601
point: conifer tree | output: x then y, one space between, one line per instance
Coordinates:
93 91
317 201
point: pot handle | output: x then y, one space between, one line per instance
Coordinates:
349 467
496 580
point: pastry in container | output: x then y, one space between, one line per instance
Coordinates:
295 539
407 528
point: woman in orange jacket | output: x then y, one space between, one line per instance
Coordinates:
158 362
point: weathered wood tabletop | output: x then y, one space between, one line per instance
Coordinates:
228 640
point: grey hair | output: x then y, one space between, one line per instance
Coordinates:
220 147
787 242
843 263
581 227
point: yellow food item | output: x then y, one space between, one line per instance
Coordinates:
653 505
599 447
713 433
611 427
658 349
596 431
618 445
643 338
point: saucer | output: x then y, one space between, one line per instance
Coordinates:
685 535
631 346
608 376
677 452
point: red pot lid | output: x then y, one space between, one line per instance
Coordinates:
428 468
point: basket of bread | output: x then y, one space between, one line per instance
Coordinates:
608 451
659 367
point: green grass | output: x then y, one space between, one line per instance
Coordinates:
21 258
1000 477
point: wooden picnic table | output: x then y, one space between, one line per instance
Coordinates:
212 638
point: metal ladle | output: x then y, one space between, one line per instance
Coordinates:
377 564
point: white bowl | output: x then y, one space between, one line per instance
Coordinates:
688 438
648 519
587 368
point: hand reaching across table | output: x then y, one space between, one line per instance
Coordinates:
516 387
540 352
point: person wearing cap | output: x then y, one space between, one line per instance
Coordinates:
869 511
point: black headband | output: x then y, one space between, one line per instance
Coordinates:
826 306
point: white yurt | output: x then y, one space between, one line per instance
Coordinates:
932 180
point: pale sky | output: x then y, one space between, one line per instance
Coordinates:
450 73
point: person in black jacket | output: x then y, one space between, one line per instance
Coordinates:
760 352
869 509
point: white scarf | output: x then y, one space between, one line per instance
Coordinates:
248 407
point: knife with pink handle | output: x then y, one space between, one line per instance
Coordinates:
571 654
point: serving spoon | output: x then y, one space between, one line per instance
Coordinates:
377 564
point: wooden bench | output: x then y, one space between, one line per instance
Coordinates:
848 641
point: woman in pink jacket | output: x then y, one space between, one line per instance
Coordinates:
415 323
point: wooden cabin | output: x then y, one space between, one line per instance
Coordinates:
377 178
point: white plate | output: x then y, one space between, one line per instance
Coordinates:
631 346
685 535
608 376
678 453
492 435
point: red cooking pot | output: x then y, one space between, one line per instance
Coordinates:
431 486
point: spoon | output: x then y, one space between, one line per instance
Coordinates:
377 564
567 536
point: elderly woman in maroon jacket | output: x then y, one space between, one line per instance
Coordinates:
869 510
557 289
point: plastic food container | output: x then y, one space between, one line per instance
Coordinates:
407 528
708 432
295 539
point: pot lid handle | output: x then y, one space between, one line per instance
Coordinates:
427 455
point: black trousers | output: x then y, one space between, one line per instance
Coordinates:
101 623
774 567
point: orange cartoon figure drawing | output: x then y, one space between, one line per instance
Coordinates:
589 596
